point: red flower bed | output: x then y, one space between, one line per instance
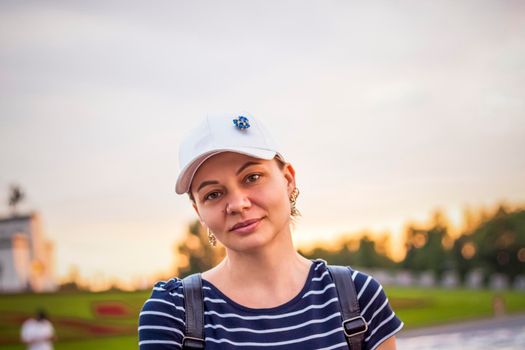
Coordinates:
111 309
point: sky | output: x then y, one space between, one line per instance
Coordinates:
387 110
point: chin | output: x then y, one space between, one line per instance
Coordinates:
247 244
251 243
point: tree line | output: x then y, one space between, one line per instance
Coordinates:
489 242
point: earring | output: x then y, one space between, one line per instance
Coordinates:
212 239
293 200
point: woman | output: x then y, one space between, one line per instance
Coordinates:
263 295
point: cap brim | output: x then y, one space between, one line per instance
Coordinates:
186 175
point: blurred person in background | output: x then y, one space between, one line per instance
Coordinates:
38 333
263 294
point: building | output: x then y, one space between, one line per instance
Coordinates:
26 257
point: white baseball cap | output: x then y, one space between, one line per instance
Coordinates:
240 133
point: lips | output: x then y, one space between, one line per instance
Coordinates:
244 224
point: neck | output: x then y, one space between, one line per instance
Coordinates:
275 264
264 265
264 277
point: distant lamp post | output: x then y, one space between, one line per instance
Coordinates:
16 195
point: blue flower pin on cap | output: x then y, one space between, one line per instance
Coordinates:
241 122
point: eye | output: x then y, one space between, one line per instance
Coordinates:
212 195
252 178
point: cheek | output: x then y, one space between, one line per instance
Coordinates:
275 198
209 216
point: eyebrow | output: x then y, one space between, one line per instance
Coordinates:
247 164
214 182
206 183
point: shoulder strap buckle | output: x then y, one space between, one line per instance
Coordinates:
355 326
192 343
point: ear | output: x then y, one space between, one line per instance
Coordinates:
289 175
198 214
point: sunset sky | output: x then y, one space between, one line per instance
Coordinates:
387 110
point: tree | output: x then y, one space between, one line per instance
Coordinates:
499 244
353 252
367 255
426 249
463 256
195 254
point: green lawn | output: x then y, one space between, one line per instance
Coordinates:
75 318
80 326
419 307
109 343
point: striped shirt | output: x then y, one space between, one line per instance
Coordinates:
311 320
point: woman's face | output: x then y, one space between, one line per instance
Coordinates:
244 201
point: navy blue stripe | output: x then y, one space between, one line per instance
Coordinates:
311 320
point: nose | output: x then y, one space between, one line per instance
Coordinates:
237 202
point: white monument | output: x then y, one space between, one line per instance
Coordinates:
26 257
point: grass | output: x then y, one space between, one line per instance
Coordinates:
103 343
78 323
419 307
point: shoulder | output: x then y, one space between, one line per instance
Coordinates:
166 296
47 325
161 320
375 308
170 287
28 325
367 287
29 329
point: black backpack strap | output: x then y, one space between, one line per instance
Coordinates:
194 310
354 325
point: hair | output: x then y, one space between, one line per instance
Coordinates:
41 314
280 163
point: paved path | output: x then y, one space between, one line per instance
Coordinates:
502 333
